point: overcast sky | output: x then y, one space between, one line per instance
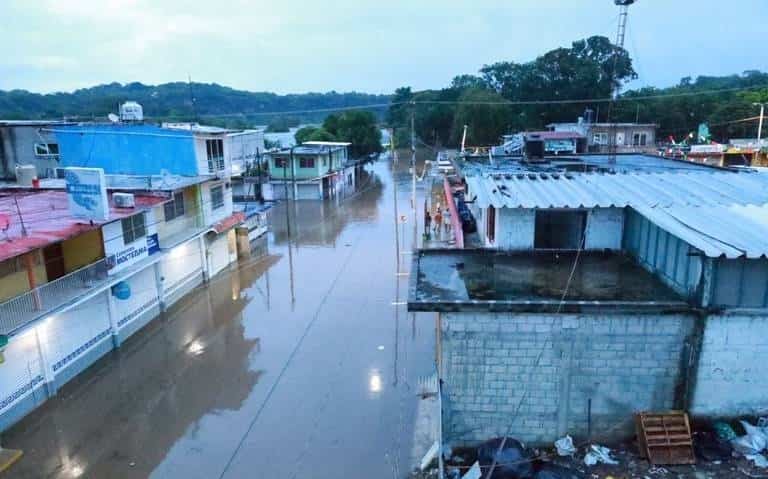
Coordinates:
291 46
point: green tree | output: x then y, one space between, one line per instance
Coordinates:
357 127
313 133
486 122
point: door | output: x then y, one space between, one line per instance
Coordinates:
53 255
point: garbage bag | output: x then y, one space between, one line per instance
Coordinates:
754 441
599 454
565 446
710 447
553 471
514 461
724 431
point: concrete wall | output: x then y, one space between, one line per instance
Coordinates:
623 363
516 228
17 147
605 227
730 377
212 216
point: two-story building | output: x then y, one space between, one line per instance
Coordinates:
28 142
598 295
623 137
311 171
76 283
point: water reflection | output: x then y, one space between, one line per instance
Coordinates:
134 405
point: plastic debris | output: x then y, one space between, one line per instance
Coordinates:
724 431
474 472
513 461
758 459
554 471
430 456
753 442
599 454
565 446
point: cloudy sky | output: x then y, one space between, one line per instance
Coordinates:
372 46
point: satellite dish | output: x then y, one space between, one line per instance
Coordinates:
113 118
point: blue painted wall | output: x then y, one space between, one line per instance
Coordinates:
128 149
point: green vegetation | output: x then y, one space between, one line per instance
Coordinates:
213 104
583 71
355 126
282 124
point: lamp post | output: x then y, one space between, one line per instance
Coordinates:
760 123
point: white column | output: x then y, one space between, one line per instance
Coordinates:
113 318
204 257
42 338
159 284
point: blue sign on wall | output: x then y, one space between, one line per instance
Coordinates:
153 245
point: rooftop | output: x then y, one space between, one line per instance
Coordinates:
309 149
619 125
489 280
34 122
527 189
47 219
583 163
122 183
553 135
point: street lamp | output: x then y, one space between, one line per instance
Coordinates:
760 123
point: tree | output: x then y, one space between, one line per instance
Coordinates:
486 122
357 127
313 133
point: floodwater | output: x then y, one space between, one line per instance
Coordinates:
303 363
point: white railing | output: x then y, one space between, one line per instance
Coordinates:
17 312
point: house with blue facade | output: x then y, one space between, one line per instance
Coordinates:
72 288
597 289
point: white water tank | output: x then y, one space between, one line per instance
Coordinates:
131 111
25 174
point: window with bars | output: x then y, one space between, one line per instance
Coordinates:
175 207
215 152
307 162
134 228
217 197
281 162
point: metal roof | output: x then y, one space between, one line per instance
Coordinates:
731 231
589 190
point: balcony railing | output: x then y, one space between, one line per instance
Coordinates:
17 312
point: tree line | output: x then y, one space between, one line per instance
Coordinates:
588 69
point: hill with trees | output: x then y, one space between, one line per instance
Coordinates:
209 103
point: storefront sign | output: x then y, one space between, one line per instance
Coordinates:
153 245
87 193
128 256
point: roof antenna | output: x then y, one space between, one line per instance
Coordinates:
192 97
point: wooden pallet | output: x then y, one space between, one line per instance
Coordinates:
665 438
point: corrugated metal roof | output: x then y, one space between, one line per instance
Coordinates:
590 190
732 231
721 213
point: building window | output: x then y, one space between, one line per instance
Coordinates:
215 152
217 197
46 149
639 139
306 162
175 207
281 162
600 138
560 229
490 230
325 161
133 228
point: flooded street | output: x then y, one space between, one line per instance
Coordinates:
301 363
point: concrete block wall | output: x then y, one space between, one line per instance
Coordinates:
550 367
731 371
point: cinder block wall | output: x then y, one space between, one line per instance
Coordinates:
623 363
731 373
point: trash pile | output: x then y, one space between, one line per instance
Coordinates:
722 451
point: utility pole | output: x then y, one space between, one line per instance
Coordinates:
760 123
615 86
413 179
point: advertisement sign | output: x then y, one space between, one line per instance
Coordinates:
153 245
87 193
131 254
